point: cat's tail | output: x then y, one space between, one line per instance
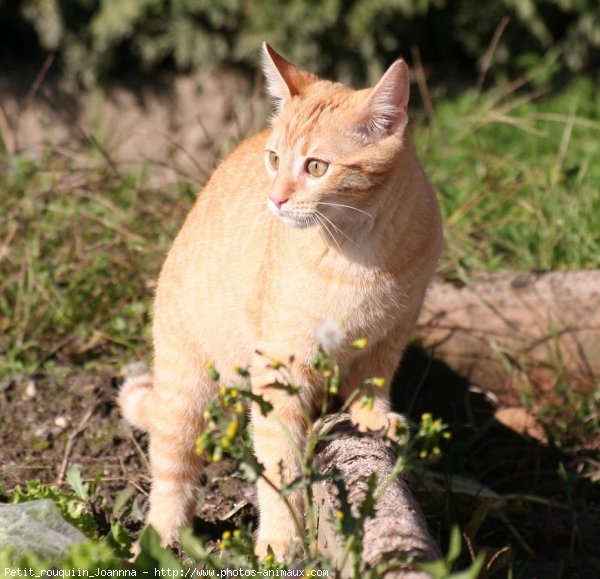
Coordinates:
135 399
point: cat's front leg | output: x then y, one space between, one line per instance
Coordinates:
279 440
376 365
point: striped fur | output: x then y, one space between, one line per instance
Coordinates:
358 244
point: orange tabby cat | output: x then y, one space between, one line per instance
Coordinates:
328 214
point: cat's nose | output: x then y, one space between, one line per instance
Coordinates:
278 201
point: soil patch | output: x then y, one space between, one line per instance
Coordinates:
49 422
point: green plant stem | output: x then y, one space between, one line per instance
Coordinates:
397 469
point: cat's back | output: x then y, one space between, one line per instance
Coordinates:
237 181
227 206
220 246
242 172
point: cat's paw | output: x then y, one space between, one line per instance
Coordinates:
280 548
368 419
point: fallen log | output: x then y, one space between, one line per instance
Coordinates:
398 531
503 332
509 332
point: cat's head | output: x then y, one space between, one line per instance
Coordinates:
331 147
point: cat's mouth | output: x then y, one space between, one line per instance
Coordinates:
297 221
292 216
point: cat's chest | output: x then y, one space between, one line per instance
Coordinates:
300 293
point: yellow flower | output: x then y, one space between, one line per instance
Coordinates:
233 393
339 515
328 373
360 344
378 381
226 535
212 372
223 390
232 429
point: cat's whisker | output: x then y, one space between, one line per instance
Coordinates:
323 225
346 206
315 219
336 228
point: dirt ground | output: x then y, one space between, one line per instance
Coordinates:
51 422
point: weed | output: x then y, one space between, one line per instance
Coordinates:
517 178
226 435
79 246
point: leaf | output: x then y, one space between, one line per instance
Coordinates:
251 468
349 524
472 572
302 482
291 390
265 406
121 499
120 538
153 556
367 506
437 569
75 481
194 548
95 484
441 569
455 543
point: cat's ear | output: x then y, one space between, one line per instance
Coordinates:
384 111
284 80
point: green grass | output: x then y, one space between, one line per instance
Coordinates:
81 244
80 248
517 178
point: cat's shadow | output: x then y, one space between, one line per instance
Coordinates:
481 447
543 495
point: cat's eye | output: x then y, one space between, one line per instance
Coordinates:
316 168
274 160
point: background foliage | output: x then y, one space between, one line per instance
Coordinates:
82 235
348 39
